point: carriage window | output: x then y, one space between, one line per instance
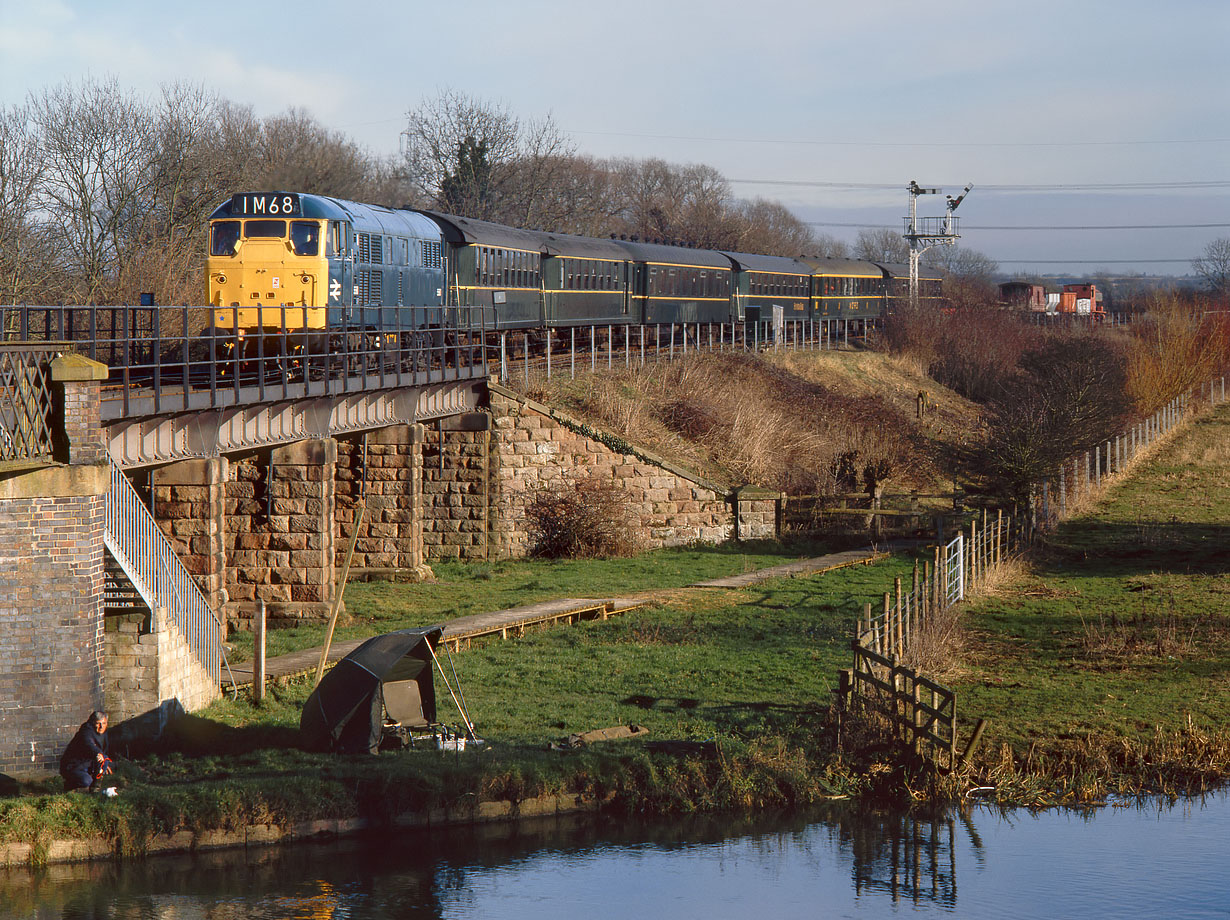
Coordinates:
271 229
305 237
223 236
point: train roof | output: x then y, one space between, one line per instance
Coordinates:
749 261
674 255
582 247
844 267
902 270
470 231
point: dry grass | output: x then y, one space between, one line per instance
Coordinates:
781 421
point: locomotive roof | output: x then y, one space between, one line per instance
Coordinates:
484 232
366 217
853 267
750 261
674 255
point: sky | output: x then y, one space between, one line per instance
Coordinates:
1063 114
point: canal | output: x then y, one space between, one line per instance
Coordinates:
1145 858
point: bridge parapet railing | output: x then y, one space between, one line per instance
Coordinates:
168 359
26 402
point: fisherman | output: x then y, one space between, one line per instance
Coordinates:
85 761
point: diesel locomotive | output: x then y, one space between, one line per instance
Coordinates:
308 262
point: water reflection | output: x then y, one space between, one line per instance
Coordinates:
839 861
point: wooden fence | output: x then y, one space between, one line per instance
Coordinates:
921 711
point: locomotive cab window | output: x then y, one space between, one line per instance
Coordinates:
305 237
224 238
264 229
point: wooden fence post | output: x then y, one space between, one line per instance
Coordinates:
900 637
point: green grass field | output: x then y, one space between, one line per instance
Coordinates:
462 589
1118 631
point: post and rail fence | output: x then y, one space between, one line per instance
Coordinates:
922 713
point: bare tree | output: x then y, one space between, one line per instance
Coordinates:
881 245
1069 396
299 153
477 159
825 246
25 256
94 142
969 275
768 227
1213 266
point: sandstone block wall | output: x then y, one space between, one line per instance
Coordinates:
390 475
151 673
537 447
279 531
458 487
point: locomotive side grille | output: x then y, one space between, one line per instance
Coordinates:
371 249
432 256
370 288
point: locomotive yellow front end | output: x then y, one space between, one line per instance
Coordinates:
268 265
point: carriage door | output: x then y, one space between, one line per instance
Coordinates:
341 262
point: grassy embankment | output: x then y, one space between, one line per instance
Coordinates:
1103 661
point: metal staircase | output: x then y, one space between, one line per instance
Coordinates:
143 573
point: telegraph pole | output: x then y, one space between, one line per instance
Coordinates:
924 233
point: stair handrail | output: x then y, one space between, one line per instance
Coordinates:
145 555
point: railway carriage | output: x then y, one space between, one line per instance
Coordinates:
494 267
897 284
671 284
585 281
766 284
846 289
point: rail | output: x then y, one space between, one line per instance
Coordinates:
26 402
171 359
139 547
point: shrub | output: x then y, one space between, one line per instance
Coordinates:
581 519
1067 397
1178 346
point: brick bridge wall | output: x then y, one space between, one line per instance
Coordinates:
51 578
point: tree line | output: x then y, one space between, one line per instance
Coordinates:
105 193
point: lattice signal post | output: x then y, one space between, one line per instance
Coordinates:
923 233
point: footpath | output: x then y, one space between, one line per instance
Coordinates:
460 632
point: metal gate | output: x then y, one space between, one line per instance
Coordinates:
954 569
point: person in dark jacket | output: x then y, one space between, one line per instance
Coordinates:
85 760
